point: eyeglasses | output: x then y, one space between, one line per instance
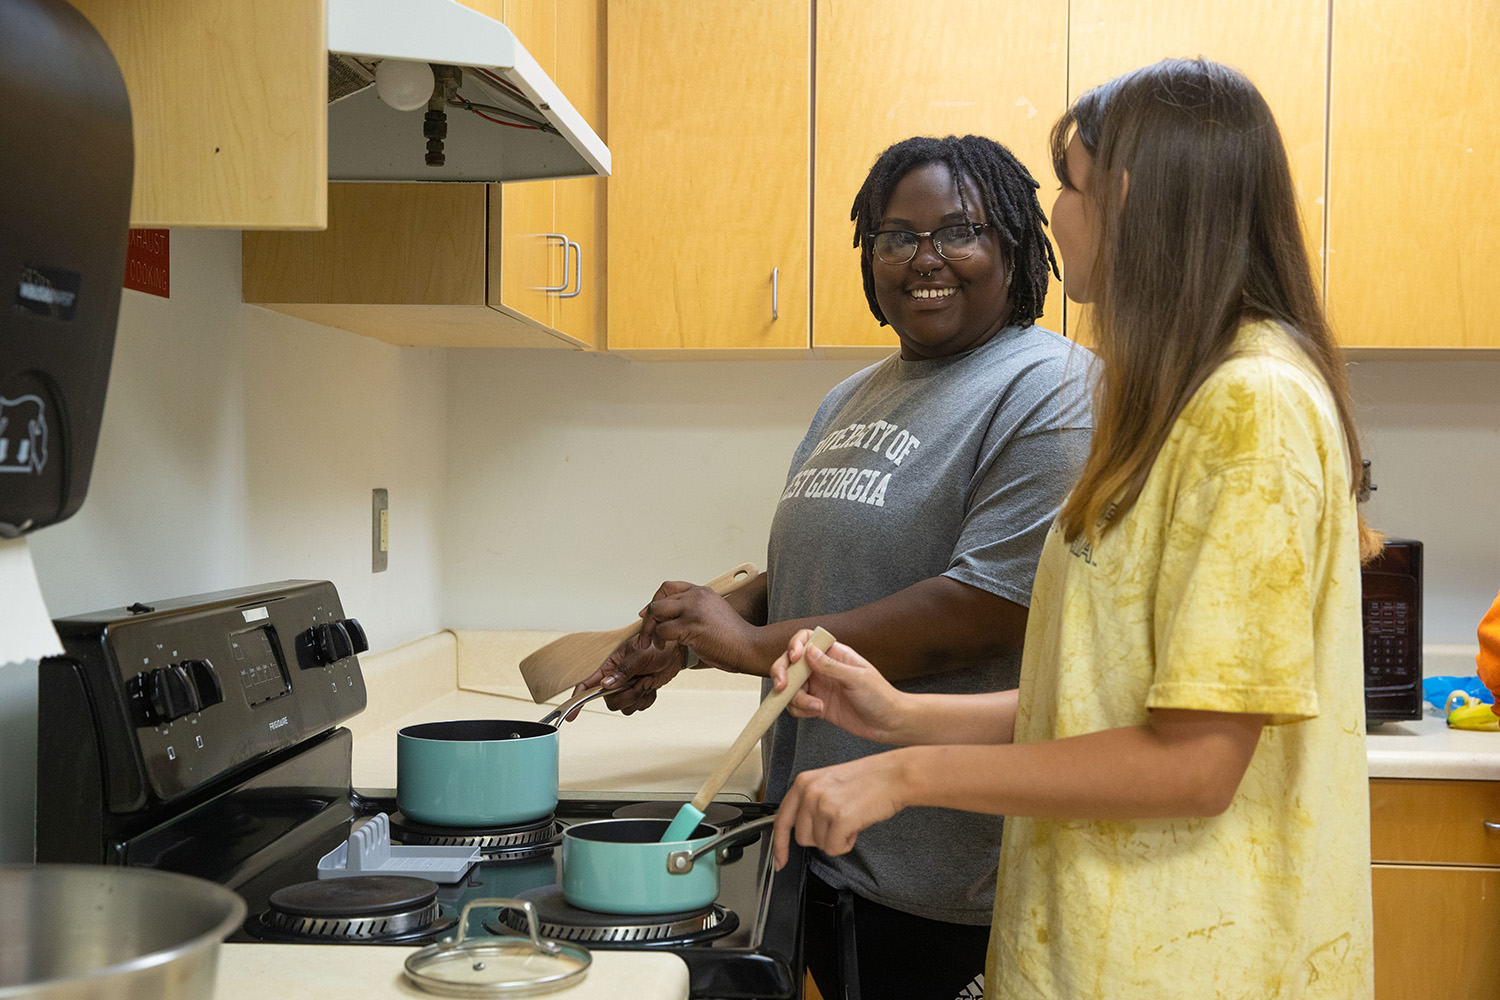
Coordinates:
899 246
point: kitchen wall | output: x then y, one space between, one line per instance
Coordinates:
1432 434
578 482
539 489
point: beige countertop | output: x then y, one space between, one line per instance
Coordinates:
1427 748
335 972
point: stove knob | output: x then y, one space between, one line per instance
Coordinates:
356 634
205 682
331 643
169 694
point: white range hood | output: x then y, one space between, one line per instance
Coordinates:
370 141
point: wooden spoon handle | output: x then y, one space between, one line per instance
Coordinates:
723 585
796 676
728 583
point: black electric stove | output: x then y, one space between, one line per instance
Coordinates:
201 735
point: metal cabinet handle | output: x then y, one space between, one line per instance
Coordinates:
1492 826
559 238
577 271
774 272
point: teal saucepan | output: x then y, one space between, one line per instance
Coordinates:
481 772
622 865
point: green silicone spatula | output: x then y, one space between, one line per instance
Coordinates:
691 813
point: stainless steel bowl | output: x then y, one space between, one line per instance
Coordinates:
87 931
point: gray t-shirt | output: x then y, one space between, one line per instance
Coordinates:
911 470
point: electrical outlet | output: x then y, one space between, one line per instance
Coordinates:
380 529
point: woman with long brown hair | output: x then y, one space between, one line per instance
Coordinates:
1183 766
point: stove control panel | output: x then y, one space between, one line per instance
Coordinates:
168 693
176 694
327 644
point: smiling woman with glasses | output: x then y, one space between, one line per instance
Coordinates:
909 525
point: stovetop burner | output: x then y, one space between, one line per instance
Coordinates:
559 919
374 909
495 843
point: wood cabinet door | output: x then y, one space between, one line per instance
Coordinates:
533 22
386 244
1434 821
708 116
579 205
1282 45
1414 149
1436 930
525 259
533 274
949 71
229 108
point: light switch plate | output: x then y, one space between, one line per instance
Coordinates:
380 530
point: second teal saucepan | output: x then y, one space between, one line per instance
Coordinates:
622 865
481 772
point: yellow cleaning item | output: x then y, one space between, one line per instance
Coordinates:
1489 649
1470 713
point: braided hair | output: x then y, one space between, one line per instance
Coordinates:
1010 204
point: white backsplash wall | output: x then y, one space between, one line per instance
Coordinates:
1432 434
239 447
579 482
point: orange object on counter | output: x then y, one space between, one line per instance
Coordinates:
1488 659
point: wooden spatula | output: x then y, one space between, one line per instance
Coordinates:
691 813
564 662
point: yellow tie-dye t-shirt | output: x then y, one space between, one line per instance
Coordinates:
1231 585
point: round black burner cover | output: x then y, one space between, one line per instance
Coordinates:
355 896
553 907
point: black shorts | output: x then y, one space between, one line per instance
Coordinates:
894 955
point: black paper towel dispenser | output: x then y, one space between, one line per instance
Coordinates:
65 175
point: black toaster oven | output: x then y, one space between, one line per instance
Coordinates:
1391 598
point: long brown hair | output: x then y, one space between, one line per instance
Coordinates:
1199 232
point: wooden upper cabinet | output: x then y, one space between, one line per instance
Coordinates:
580 208
456 264
547 237
403 263
1414 226
708 198
229 106
946 71
1281 45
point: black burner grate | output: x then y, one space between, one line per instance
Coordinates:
558 919
498 843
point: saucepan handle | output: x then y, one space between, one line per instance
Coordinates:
555 717
681 862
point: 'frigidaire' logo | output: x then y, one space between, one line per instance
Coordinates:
23 434
279 722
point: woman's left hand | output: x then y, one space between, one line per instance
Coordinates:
827 808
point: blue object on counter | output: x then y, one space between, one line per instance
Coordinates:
1435 690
